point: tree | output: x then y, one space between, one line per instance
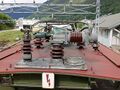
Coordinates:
6 22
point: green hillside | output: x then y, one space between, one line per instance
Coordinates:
107 7
110 6
67 1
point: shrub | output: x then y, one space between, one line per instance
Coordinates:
6 22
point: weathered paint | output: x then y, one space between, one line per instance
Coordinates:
99 65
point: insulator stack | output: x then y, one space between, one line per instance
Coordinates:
38 42
26 47
57 51
27 55
27 50
76 37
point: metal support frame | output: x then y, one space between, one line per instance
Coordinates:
48 8
97 15
54 9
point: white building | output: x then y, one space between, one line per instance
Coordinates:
109 33
23 22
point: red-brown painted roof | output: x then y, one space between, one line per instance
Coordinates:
100 65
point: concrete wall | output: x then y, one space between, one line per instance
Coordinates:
116 38
109 37
104 37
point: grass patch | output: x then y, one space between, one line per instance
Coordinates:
9 37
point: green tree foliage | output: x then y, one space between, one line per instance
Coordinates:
6 22
110 6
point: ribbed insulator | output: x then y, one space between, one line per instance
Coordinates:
27 55
57 51
38 42
26 45
76 37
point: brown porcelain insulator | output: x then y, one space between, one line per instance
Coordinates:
76 37
57 51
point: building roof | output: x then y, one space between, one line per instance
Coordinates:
110 21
